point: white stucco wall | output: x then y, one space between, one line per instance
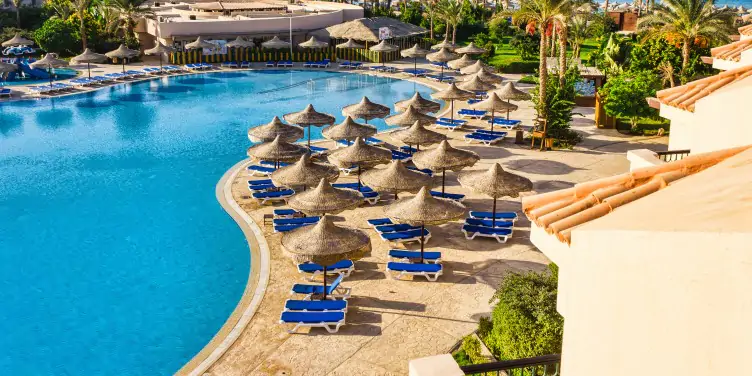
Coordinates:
682 127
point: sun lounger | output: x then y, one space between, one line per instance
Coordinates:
406 256
424 171
446 125
287 64
206 66
284 213
415 72
380 222
432 272
260 182
452 196
408 149
499 121
500 234
272 164
316 305
308 64
474 101
260 170
492 133
229 64
355 65
296 221
486 139
286 228
348 170
5 92
261 187
398 227
504 216
400 156
271 64
473 114
334 289
353 186
245 64
331 321
369 141
326 63
343 64
488 223
440 65
135 73
455 121
344 268
440 78
404 236
370 197
272 196
317 150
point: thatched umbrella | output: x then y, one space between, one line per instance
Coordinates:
276 44
484 76
325 199
277 151
349 44
396 178
445 157
383 47
414 52
409 117
88 57
510 93
471 49
308 117
200 44
348 130
451 94
418 135
122 53
325 244
313 43
475 84
17 40
444 44
240 42
7 68
270 131
493 104
49 61
304 172
464 61
360 154
419 103
160 50
367 110
442 56
475 68
424 209
495 182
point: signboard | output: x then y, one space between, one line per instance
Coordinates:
385 33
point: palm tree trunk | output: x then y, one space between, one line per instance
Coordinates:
431 18
562 53
685 57
18 17
454 34
605 8
542 74
506 4
83 30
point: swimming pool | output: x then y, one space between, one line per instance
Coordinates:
115 256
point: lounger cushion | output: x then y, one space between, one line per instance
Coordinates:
400 253
488 223
403 235
312 268
312 317
488 230
316 305
400 227
414 268
380 221
285 212
499 215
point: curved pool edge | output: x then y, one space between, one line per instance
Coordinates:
258 279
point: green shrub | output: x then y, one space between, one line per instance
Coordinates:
461 358
58 36
471 347
529 79
526 45
624 95
519 67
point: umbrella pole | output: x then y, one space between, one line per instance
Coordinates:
509 101
493 119
123 65
443 180
309 137
88 67
422 239
493 220
358 177
452 110
49 73
324 297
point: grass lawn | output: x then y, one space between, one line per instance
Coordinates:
645 126
506 55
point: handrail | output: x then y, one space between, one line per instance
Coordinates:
507 365
673 155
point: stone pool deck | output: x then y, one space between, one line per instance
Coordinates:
392 321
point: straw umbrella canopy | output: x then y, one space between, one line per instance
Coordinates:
424 209
160 50
367 110
240 42
409 117
445 157
418 103
471 49
17 40
350 44
313 43
396 178
277 151
415 52
442 56
464 61
495 182
89 57
122 53
325 199
325 244
304 172
270 131
360 154
276 44
484 76
510 93
308 117
493 104
418 135
444 44
475 68
348 130
451 94
7 67
49 61
200 44
383 47
475 84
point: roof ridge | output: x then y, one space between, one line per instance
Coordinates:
732 51
746 30
685 96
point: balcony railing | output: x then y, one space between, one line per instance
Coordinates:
546 365
672 155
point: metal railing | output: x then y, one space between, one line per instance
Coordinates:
672 155
546 365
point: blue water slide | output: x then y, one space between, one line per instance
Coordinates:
33 72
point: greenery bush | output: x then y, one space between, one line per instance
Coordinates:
525 44
529 79
461 358
471 347
558 106
57 35
518 67
624 95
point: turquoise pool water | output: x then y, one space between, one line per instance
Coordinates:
115 257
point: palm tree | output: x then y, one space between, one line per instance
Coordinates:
430 10
80 8
451 11
687 22
17 5
579 30
130 11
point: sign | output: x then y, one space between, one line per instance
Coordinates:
385 33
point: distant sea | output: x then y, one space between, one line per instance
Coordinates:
731 3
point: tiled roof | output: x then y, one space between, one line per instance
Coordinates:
731 51
559 212
745 30
686 96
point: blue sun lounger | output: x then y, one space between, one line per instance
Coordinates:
399 227
408 149
425 170
315 305
475 114
260 182
499 121
261 170
272 164
334 289
504 216
331 321
317 150
379 222
474 101
344 268
5 92
353 186
272 196
407 256
295 221
284 213
492 133
286 228
455 121
488 223
261 187
432 272
485 139
245 64
404 236
369 195
446 125
400 156
452 196
500 234
229 64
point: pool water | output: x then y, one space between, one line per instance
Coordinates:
115 257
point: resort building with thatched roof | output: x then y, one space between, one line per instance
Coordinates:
371 30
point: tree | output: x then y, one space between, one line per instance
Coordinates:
559 103
451 12
430 8
17 5
688 22
57 35
579 30
81 7
625 95
130 11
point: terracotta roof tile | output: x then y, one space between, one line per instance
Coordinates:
745 30
687 95
731 51
559 212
